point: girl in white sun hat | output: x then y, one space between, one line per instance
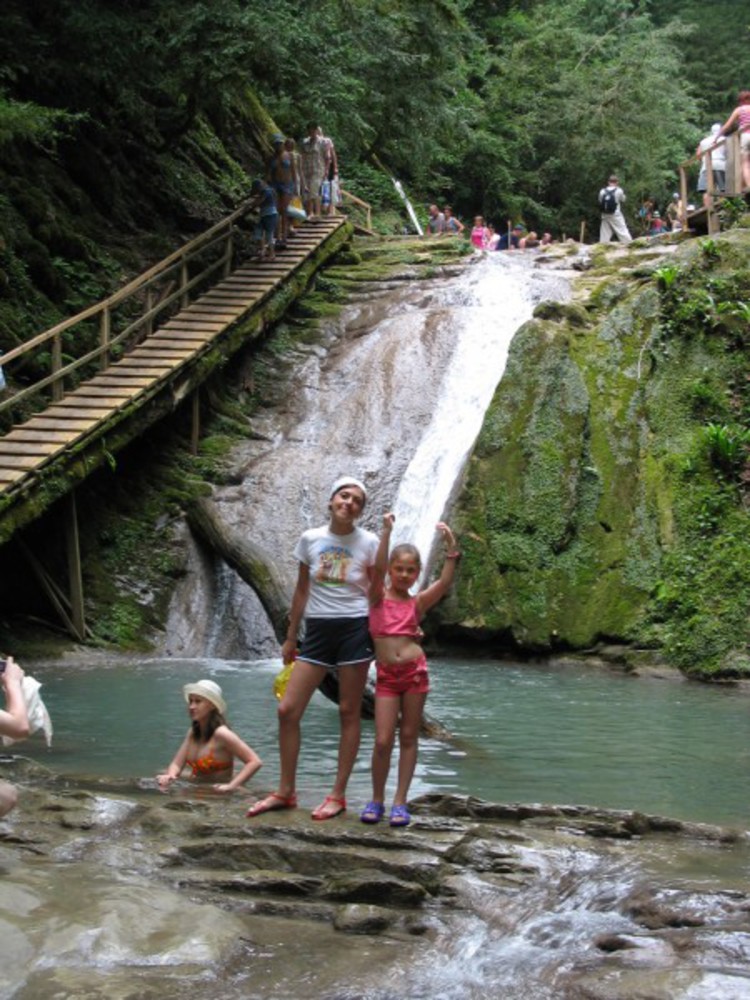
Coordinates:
208 751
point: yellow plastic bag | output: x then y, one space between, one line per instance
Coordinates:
281 679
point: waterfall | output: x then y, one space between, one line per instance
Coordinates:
395 394
500 298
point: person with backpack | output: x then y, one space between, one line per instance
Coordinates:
611 198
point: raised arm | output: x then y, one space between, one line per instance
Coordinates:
380 568
296 613
239 749
430 596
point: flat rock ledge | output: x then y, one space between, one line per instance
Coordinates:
461 857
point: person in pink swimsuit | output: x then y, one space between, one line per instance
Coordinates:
402 679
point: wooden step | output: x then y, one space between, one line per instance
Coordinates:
39 448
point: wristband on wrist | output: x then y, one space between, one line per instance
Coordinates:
453 555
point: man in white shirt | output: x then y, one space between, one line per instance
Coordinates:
611 198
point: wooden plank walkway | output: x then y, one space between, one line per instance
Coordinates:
29 447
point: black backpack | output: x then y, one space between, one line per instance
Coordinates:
608 201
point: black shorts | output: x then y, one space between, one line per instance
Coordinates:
336 642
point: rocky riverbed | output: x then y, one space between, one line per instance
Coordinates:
114 889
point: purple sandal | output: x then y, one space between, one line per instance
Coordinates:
373 812
400 816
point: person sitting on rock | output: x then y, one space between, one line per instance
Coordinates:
658 226
511 240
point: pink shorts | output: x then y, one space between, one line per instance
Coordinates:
404 677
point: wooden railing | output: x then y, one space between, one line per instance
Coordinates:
170 284
348 196
734 182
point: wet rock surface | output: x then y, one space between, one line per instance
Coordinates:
576 891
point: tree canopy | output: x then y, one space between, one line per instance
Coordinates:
509 108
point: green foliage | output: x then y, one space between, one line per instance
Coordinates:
512 109
576 89
714 52
699 608
727 447
667 275
731 211
709 248
28 122
706 400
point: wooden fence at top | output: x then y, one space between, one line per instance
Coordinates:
734 185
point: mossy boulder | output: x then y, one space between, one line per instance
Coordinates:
594 506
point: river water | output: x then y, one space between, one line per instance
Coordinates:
523 733
86 910
89 910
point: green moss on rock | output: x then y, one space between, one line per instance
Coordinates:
592 509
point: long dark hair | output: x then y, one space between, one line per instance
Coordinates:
214 720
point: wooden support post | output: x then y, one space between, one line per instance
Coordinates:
184 278
75 575
57 386
195 435
583 231
149 325
736 161
683 198
104 337
229 253
712 216
57 597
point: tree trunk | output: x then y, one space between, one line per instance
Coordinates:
258 571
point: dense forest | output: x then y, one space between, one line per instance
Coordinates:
126 124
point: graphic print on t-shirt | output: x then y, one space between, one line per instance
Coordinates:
333 565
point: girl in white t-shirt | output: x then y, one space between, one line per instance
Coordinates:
332 596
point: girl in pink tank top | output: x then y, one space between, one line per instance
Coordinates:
402 679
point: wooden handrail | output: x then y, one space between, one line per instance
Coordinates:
156 272
175 267
362 204
732 143
734 185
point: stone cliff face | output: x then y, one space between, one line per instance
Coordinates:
594 502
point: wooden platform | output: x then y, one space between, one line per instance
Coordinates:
28 448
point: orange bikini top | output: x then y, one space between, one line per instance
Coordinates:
208 764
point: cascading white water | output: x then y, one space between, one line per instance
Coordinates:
397 399
499 299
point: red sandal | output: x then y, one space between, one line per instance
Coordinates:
272 803
324 810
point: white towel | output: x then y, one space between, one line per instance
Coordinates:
35 709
